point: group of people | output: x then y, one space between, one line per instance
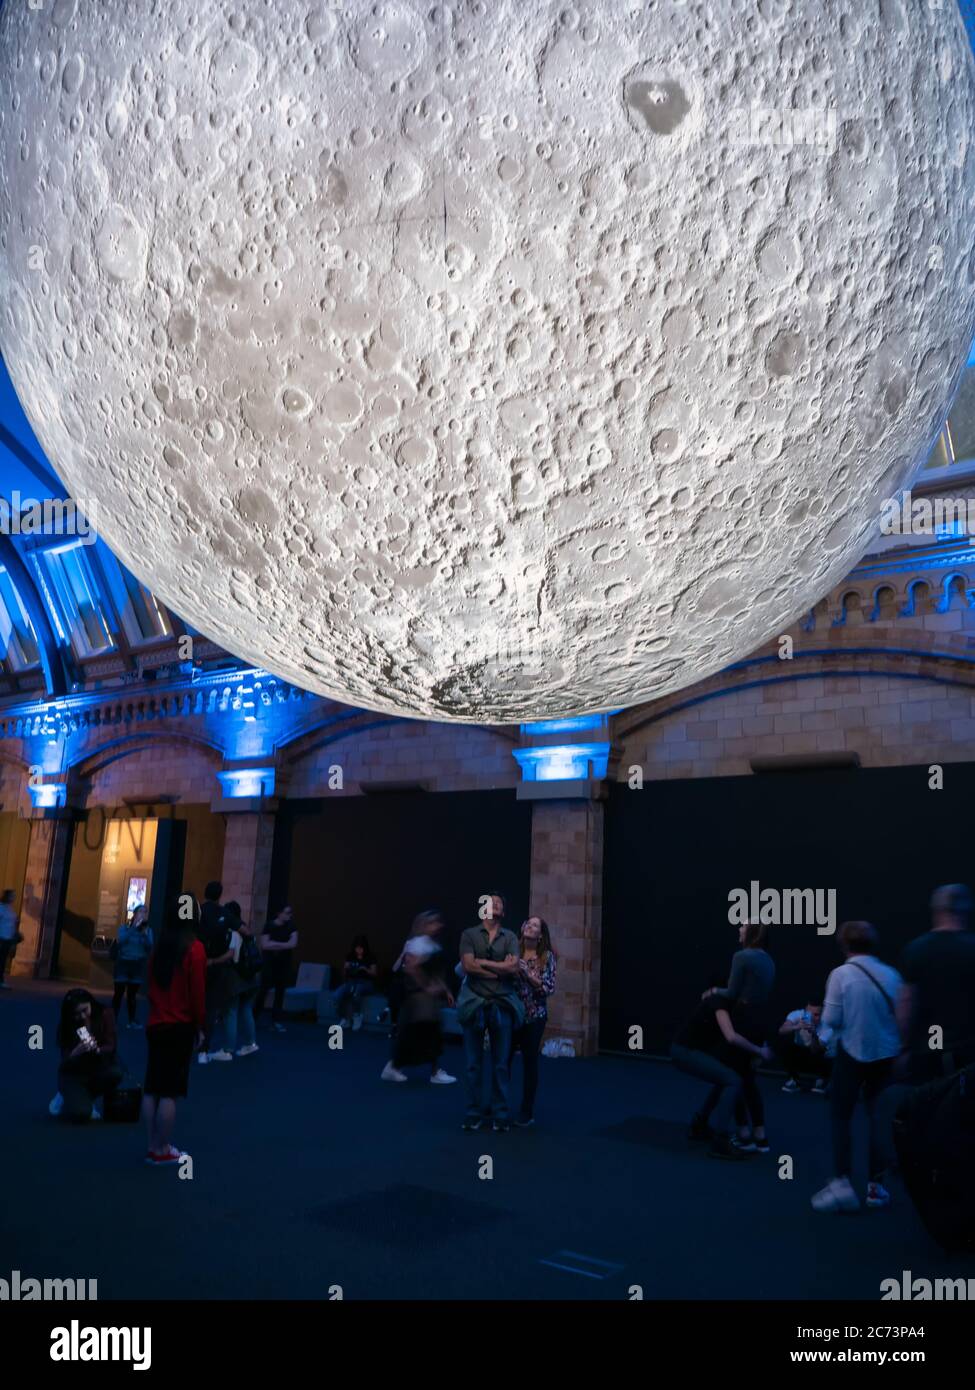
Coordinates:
207 977
500 988
877 1029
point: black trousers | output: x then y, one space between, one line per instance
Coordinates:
6 949
80 1086
528 1041
278 981
850 1079
802 1061
130 990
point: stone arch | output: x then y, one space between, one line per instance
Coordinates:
885 604
851 609
918 600
92 761
955 593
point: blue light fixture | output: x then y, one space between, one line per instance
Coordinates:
48 796
247 782
563 762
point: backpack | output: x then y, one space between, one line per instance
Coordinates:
249 959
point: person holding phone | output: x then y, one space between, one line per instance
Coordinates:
133 947
359 979
89 1068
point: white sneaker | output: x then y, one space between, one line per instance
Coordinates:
791 1088
96 1114
203 1058
357 1023
246 1051
57 1105
442 1078
222 1056
390 1073
837 1195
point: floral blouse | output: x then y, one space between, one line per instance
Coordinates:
535 983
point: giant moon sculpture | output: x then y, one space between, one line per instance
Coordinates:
488 361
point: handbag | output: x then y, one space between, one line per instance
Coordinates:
123 1105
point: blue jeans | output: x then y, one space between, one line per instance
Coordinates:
353 990
240 1013
499 1023
725 1081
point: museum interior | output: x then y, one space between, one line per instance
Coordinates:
510 457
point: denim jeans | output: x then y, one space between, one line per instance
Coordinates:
708 1068
352 990
239 1015
499 1022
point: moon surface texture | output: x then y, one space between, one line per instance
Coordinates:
491 361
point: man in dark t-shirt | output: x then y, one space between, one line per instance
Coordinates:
489 1000
936 1010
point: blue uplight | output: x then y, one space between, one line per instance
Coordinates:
247 781
563 762
48 796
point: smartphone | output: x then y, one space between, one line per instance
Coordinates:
85 1037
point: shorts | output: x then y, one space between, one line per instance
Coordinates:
170 1048
130 972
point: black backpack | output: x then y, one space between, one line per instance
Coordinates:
249 958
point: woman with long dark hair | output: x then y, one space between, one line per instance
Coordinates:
89 1068
359 971
536 982
177 1015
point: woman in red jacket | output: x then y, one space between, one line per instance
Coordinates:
177 1013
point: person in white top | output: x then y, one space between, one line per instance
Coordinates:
860 1017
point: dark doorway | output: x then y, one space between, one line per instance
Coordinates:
370 863
674 850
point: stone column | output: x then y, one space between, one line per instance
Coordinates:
246 798
45 882
566 889
246 874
